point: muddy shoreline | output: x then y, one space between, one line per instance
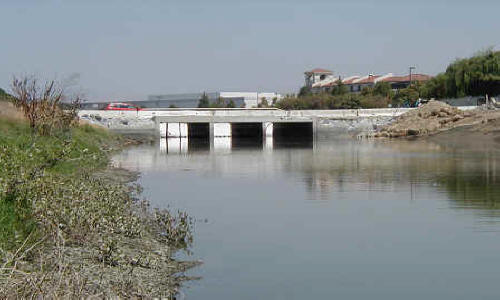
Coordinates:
159 272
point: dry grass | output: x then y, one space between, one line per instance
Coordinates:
10 112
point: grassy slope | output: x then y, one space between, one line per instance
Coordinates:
55 211
24 152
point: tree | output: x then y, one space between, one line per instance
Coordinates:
367 91
406 97
230 104
351 101
42 105
383 89
339 88
305 91
478 75
435 87
219 103
263 103
204 101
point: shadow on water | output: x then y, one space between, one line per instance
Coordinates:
293 143
198 144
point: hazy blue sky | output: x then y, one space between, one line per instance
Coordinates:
129 49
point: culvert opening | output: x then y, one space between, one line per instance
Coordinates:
291 134
246 135
198 136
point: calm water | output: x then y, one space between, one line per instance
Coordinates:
340 219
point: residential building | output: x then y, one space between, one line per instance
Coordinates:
318 75
355 84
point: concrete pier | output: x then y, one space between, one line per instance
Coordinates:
267 129
174 145
175 129
222 129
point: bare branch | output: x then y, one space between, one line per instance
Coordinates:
43 105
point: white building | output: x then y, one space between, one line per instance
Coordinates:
318 75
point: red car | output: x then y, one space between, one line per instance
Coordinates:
122 106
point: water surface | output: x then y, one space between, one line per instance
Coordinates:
334 219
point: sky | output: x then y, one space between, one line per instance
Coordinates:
128 49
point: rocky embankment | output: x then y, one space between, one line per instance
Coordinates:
435 117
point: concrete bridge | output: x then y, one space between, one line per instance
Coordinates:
223 125
222 128
227 123
230 115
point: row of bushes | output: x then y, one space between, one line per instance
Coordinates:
328 101
204 102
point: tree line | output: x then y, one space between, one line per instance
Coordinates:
478 75
204 102
379 96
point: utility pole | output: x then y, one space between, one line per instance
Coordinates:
411 68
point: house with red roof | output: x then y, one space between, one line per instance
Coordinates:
401 82
321 80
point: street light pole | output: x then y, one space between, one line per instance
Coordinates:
411 68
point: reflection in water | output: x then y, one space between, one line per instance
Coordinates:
222 144
183 145
475 184
174 145
471 179
340 219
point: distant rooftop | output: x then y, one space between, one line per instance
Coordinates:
372 79
414 77
367 79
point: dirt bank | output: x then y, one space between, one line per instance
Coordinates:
436 117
